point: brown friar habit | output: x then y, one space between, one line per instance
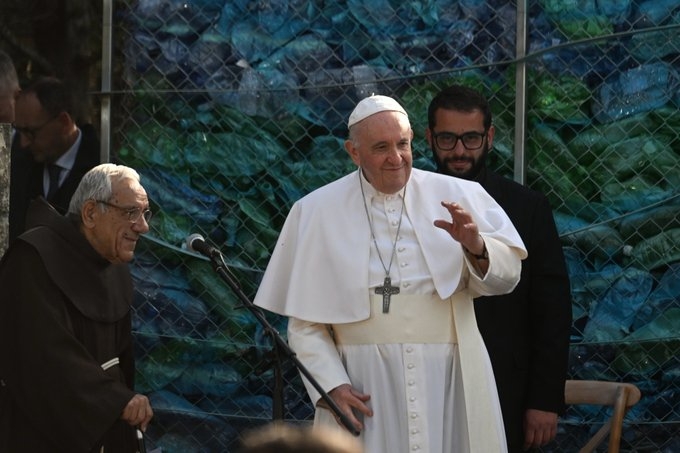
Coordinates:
64 317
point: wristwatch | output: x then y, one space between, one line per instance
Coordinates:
483 256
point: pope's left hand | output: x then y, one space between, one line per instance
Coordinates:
462 228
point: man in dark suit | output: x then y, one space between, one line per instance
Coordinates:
527 331
50 153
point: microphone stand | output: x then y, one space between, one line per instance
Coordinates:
280 347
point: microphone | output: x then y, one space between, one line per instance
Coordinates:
196 243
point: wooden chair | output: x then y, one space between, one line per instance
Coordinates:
621 396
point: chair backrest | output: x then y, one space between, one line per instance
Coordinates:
620 395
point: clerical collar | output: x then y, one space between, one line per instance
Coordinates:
371 191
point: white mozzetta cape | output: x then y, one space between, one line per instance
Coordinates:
318 271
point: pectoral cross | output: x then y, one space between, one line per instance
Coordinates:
387 290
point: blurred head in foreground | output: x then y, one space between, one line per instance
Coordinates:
286 438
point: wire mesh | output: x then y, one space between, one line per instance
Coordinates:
233 110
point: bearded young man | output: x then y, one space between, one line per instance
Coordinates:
527 331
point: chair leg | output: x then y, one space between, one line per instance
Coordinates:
617 420
597 439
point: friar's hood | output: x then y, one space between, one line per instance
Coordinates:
99 289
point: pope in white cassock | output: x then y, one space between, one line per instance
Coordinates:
376 272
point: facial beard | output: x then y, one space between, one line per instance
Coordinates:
470 174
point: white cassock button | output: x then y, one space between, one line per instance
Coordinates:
411 383
412 399
415 431
414 415
410 366
415 447
409 349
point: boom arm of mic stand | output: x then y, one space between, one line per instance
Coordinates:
279 343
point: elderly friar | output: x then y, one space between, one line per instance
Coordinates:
66 362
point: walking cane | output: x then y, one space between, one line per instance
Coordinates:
141 448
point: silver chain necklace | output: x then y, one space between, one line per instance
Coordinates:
387 290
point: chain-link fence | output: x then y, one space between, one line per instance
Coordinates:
233 109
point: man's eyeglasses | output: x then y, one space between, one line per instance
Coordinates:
133 214
31 132
448 140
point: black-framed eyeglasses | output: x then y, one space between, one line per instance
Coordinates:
133 214
31 132
448 140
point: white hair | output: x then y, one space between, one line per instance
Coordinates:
97 184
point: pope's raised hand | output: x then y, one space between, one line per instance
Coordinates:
462 228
